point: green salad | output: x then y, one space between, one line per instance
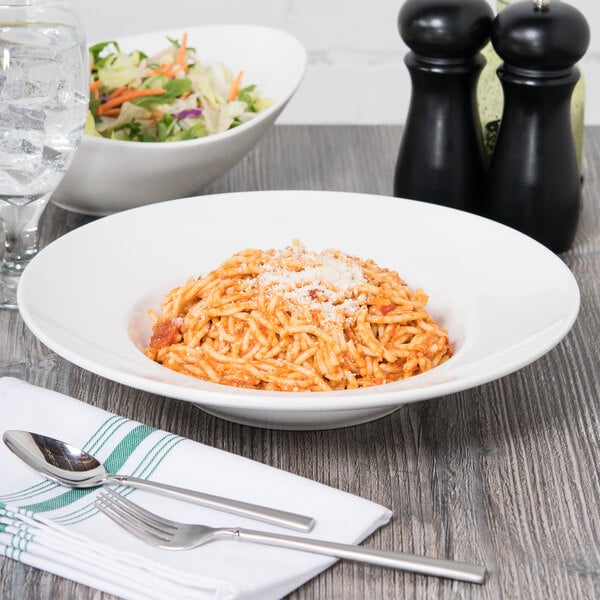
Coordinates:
170 96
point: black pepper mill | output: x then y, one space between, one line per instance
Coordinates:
441 158
534 183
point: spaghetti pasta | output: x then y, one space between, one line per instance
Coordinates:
295 320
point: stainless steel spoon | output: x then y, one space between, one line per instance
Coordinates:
75 468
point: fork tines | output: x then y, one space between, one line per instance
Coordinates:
132 517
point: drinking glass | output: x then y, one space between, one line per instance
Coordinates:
44 95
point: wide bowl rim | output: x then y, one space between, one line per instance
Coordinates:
456 375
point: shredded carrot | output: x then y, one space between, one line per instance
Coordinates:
180 61
185 94
112 112
127 96
167 69
117 92
170 69
235 86
157 114
95 87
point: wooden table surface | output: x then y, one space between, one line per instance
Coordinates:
505 474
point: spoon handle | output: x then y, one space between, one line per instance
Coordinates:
236 507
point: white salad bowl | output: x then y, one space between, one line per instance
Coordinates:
107 176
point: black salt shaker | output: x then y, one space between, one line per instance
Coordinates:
441 157
534 182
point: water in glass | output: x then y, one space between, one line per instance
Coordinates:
43 103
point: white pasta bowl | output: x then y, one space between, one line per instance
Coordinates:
504 299
108 176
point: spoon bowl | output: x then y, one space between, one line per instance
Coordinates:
64 463
69 465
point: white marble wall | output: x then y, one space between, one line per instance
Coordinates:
356 72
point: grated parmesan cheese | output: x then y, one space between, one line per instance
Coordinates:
321 281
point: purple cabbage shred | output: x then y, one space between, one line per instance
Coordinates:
190 112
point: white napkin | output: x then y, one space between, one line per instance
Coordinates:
58 529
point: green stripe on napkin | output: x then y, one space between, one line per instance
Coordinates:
104 433
113 463
144 470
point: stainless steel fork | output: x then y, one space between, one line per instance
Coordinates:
161 532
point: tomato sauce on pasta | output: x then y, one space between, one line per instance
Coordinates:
296 320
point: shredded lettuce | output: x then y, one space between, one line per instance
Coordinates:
90 125
120 69
169 96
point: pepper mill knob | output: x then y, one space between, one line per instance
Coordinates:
435 29
441 158
540 35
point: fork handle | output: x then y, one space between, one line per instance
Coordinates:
424 565
236 507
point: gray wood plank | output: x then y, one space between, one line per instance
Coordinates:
505 474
